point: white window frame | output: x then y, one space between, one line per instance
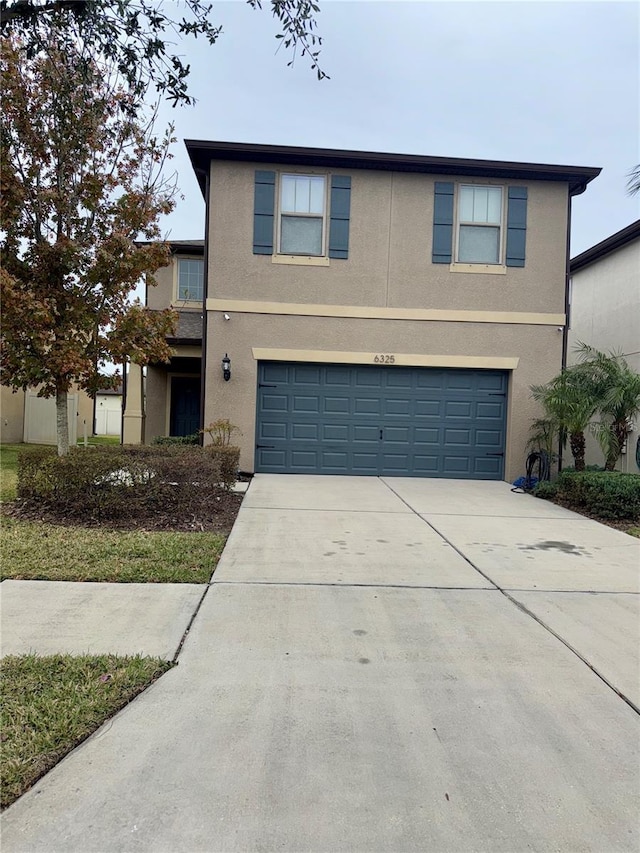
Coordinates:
178 298
459 222
280 214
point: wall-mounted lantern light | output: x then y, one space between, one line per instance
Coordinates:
226 367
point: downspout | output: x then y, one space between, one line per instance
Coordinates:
567 306
205 291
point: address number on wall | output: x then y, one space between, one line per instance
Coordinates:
384 359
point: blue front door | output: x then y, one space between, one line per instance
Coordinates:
185 405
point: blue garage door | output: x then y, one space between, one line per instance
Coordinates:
359 419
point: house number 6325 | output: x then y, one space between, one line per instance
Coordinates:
384 359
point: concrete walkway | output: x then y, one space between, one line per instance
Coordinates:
378 665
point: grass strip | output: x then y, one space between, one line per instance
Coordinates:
50 704
31 551
8 471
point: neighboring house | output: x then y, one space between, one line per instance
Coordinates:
605 312
25 417
382 313
173 390
108 412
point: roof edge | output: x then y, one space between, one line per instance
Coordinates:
606 246
201 152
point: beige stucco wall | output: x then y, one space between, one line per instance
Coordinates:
11 416
538 349
389 260
605 313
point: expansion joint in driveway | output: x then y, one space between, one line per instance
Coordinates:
340 585
519 605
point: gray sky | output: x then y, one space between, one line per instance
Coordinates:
543 82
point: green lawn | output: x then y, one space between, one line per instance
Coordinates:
92 554
8 471
51 704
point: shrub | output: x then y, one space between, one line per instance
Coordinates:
108 483
35 466
545 490
176 440
605 494
221 431
228 458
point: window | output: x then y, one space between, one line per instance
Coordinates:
190 279
479 225
302 215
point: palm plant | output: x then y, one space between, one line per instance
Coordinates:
617 390
569 403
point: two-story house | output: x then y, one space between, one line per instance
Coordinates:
369 313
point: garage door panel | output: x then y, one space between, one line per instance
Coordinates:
401 434
365 432
423 436
487 380
488 467
336 405
489 410
365 378
335 432
364 463
338 376
272 429
306 376
398 379
305 431
489 438
275 372
367 406
304 403
459 437
400 407
456 465
274 403
341 419
427 408
458 409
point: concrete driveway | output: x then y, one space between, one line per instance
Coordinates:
378 665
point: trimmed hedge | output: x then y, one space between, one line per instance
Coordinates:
108 483
545 490
605 494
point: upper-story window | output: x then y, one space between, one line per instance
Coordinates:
479 225
302 214
479 228
190 279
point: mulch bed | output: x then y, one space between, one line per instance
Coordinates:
214 515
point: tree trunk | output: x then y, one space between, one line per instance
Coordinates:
62 423
577 444
619 430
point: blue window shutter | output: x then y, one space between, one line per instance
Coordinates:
339 216
516 226
263 206
442 223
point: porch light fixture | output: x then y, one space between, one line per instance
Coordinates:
226 367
